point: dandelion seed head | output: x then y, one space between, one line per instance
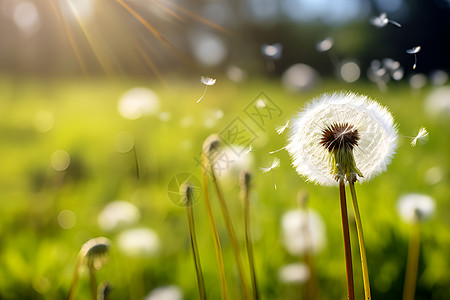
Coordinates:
209 81
303 231
138 242
138 102
367 127
437 103
294 273
167 292
421 137
415 207
118 214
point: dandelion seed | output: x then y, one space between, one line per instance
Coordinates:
421 137
414 51
275 164
382 20
207 81
281 129
275 151
346 121
250 149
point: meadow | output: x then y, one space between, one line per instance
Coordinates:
50 206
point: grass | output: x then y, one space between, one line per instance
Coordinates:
37 256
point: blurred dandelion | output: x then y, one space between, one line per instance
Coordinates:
272 51
138 242
414 209
167 292
275 164
414 52
93 254
138 102
294 273
118 214
438 77
437 102
343 137
382 20
325 44
417 81
300 77
421 137
207 81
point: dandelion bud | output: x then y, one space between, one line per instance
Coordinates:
187 192
211 147
245 179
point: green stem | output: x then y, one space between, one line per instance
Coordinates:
362 248
347 245
93 281
75 277
248 242
231 234
218 249
412 264
198 267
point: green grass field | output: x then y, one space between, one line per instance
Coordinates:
38 256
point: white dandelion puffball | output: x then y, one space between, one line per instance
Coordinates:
118 214
138 242
303 231
294 273
341 118
167 292
138 102
415 207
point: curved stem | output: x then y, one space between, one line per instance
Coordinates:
218 249
362 248
347 245
93 281
75 277
231 234
412 264
198 267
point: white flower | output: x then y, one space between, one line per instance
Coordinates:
341 118
138 242
117 214
294 273
421 137
303 231
167 292
415 207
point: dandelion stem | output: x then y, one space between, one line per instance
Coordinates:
198 267
75 277
362 249
248 239
218 249
231 234
412 264
347 245
93 281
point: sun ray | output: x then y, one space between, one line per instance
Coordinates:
150 63
168 10
155 32
105 65
69 37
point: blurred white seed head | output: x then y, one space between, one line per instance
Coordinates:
437 103
294 273
167 292
415 207
272 51
138 102
325 44
118 214
371 126
303 231
138 242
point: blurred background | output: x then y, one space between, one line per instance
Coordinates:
98 121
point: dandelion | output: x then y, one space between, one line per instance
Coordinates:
294 273
167 292
92 254
138 242
421 137
207 81
343 137
138 102
414 209
118 214
382 20
275 164
414 51
282 129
